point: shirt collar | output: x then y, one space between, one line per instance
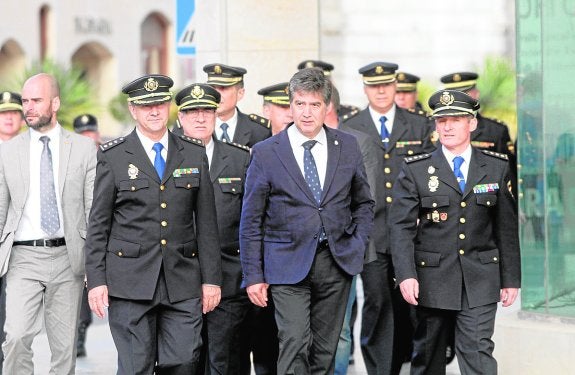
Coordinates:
53 134
450 155
299 139
149 144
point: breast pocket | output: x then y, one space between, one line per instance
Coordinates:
133 185
435 201
487 200
231 188
187 182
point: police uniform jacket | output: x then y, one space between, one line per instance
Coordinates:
249 132
452 241
227 173
491 135
139 224
411 135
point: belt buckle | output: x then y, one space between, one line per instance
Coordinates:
45 241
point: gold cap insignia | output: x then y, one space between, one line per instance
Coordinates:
197 92
378 70
309 64
456 78
84 119
151 85
401 76
446 98
6 96
218 69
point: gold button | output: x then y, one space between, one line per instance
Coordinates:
188 186
461 236
164 223
120 253
133 188
193 254
163 242
495 259
386 156
163 205
423 263
434 204
388 199
462 220
461 251
388 185
238 251
387 170
488 203
162 187
233 189
410 152
463 204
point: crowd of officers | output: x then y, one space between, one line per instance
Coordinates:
236 333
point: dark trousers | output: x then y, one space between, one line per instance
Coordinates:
474 328
377 324
156 335
309 316
259 340
85 312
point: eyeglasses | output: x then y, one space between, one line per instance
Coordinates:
195 113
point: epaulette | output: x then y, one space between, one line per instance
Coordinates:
495 120
260 120
349 115
197 142
495 154
242 147
418 112
411 159
113 143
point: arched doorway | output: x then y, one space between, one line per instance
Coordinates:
154 47
12 62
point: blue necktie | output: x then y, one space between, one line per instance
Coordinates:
457 161
49 219
312 177
225 137
159 162
384 132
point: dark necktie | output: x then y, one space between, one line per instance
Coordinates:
457 161
225 137
384 132
159 162
49 219
312 177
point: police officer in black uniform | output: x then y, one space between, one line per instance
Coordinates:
406 94
455 242
152 248
276 106
400 133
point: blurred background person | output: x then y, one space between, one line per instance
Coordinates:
276 106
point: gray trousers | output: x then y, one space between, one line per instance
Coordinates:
40 286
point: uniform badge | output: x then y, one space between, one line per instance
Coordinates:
446 98
431 169
133 171
378 70
433 184
197 92
443 216
151 85
435 216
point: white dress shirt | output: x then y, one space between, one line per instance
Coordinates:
466 155
30 227
149 145
319 150
390 115
232 124
210 151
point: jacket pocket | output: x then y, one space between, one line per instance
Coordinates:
133 185
187 182
189 249
232 188
486 200
124 249
277 236
427 259
489 256
435 201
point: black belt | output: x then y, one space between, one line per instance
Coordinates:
53 242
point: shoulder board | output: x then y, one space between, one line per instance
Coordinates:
241 147
110 144
411 159
495 154
197 142
417 112
494 120
260 120
349 115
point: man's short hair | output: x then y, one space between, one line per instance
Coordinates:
310 80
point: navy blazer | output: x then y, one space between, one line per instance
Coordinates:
281 219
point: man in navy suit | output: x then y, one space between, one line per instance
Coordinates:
305 223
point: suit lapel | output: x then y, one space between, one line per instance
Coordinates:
398 129
175 157
65 150
218 164
476 171
285 154
140 157
333 154
242 132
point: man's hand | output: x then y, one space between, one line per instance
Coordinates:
508 296
258 294
211 295
410 290
98 300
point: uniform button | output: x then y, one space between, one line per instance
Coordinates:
162 187
386 156
193 254
388 199
434 204
238 251
463 204
423 263
462 220
320 209
461 236
495 259
163 242
164 223
388 185
188 186
461 251
133 188
234 190
410 152
120 253
387 170
163 205
488 203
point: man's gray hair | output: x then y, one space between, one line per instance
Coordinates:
310 80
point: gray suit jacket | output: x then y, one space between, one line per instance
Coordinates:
76 181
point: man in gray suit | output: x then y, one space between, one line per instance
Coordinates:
46 181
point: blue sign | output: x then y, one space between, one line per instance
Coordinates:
185 27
